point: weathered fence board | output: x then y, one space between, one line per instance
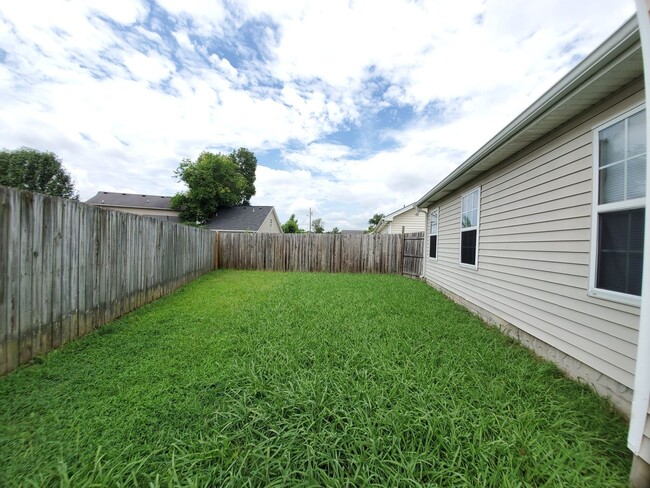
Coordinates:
330 253
67 268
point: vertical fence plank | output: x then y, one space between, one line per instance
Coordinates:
26 243
10 279
47 238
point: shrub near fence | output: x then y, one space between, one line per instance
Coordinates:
67 268
331 253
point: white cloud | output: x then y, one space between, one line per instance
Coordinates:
123 106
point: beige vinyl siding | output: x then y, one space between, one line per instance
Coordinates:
143 211
270 224
534 247
408 220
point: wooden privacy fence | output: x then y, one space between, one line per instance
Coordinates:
67 268
332 253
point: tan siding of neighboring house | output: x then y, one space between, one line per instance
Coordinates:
406 222
143 211
534 248
270 225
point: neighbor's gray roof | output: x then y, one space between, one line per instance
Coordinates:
111 199
353 231
240 218
613 65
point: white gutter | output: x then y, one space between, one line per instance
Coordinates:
641 396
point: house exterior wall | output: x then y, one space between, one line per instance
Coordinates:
143 211
407 220
270 224
532 274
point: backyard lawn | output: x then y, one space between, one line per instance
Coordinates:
279 379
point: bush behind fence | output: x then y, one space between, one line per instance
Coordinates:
67 268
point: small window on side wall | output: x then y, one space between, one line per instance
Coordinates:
469 220
433 233
619 208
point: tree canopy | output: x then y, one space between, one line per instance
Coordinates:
213 181
374 221
38 171
318 225
247 164
291 226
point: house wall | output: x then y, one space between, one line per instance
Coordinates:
408 220
142 211
270 224
532 276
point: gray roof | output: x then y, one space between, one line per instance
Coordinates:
240 218
353 231
111 199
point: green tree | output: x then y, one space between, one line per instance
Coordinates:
291 225
318 225
247 164
374 221
213 181
38 171
336 230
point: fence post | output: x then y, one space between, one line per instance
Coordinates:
216 250
401 253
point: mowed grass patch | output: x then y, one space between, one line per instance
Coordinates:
278 379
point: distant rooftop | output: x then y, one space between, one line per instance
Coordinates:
111 199
240 218
353 231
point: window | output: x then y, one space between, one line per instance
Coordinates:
433 234
469 218
619 208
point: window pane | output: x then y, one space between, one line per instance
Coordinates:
433 242
636 143
611 143
620 251
637 228
468 247
466 221
464 204
636 178
612 184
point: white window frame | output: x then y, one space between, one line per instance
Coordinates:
432 212
597 209
476 228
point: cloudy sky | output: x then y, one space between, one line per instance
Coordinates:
352 107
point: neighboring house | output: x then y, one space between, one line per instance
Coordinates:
353 231
149 205
541 230
246 218
242 218
402 221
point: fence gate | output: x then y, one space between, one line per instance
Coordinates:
413 254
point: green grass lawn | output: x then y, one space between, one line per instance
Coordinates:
278 379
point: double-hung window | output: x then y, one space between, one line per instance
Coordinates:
433 233
619 208
469 219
